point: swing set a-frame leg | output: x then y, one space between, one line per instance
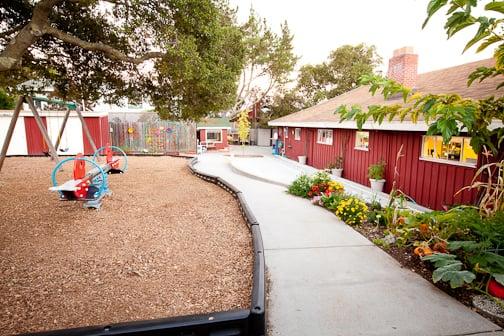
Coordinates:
10 131
62 129
52 150
86 130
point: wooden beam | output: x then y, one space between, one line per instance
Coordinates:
43 130
86 130
10 131
60 134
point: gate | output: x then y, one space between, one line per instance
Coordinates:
154 137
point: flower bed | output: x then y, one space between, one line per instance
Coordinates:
461 250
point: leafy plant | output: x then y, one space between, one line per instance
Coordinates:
377 171
488 33
352 211
449 114
321 177
333 200
449 269
337 164
301 186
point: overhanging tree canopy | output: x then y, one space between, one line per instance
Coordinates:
185 55
450 114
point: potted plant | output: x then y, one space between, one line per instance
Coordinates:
376 174
337 166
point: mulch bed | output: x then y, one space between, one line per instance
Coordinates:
166 243
407 259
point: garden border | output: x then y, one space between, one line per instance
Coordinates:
243 322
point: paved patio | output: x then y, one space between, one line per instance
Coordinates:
327 279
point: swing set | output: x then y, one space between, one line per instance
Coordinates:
52 148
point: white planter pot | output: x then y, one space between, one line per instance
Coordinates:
377 185
302 159
337 172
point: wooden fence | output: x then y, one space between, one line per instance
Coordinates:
154 137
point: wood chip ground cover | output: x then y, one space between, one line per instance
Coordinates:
165 244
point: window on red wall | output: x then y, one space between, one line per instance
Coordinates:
214 135
297 133
286 132
325 136
362 140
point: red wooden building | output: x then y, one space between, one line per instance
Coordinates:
430 172
213 133
27 138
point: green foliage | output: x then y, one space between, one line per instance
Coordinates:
321 177
377 171
332 201
269 61
447 114
301 186
489 28
339 74
200 46
7 102
449 269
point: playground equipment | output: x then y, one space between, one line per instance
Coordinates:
52 148
91 186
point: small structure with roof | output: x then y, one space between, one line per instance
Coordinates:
212 133
431 172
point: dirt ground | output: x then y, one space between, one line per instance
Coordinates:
164 244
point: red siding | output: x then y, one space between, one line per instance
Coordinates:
34 140
218 145
99 129
430 184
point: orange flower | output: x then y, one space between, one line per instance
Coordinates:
423 251
424 228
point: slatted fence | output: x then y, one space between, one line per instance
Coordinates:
154 137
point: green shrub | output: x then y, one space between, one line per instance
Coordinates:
321 177
332 201
377 171
301 186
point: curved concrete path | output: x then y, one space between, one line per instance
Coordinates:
327 279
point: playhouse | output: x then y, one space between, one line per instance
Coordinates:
212 133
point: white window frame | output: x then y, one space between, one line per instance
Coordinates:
325 140
297 133
213 131
446 161
286 132
361 148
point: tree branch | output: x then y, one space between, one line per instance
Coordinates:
11 56
12 30
109 51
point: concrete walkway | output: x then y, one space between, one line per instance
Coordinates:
327 279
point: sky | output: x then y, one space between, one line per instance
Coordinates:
320 26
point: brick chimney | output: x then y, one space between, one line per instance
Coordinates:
403 67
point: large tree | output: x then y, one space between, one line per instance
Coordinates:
316 82
339 74
183 55
269 60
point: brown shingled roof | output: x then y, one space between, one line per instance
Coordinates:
449 80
